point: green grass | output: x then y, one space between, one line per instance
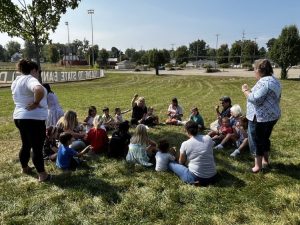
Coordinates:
112 192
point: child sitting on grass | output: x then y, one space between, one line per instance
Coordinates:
108 120
164 155
50 146
65 156
151 119
141 148
223 130
88 121
196 117
118 145
97 137
118 115
242 136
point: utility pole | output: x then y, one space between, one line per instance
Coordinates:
67 24
254 49
91 12
242 44
216 49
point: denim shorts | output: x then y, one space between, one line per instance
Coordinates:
259 136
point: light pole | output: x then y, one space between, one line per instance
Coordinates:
91 12
216 49
67 24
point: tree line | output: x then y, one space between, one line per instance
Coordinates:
33 23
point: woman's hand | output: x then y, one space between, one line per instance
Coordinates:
32 106
245 87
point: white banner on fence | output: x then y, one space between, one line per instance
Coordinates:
56 76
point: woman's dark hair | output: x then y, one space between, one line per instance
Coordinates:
48 88
64 137
92 109
264 66
163 145
192 128
25 66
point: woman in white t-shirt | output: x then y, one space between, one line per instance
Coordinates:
30 114
198 153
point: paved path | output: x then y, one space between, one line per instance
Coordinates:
293 73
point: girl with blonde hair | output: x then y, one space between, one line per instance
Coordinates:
141 148
69 123
97 136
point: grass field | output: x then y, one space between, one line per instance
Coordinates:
112 192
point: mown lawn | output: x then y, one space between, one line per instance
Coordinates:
112 192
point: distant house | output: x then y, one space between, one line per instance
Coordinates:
73 60
125 65
200 63
112 62
16 57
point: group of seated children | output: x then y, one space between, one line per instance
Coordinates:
232 130
139 148
95 137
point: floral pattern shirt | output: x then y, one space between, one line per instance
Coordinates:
263 101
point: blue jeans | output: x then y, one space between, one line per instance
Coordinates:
183 172
188 177
259 136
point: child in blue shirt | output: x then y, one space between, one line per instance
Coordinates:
65 156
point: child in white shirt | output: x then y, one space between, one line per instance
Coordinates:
163 155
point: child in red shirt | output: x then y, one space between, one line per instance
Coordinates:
223 130
97 137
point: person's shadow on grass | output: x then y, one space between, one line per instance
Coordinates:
89 185
290 170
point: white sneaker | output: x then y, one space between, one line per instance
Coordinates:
219 147
235 153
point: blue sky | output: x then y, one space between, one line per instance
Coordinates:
146 24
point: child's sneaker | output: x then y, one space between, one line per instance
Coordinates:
219 147
235 153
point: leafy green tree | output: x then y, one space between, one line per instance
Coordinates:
198 49
167 56
28 51
130 52
3 54
235 52
270 43
182 54
143 58
211 53
223 54
262 52
103 57
33 22
249 48
115 53
156 59
53 53
12 47
286 49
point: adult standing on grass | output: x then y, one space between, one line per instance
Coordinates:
198 153
139 110
30 114
263 111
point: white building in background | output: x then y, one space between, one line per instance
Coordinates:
16 57
125 65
